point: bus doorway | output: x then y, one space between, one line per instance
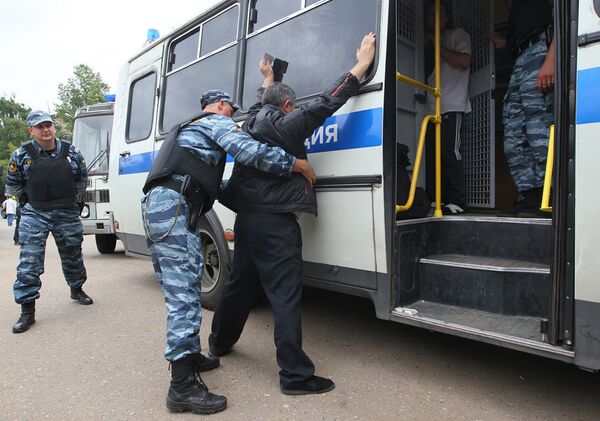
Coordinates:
482 274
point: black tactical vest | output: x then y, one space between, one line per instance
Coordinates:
173 159
51 184
527 18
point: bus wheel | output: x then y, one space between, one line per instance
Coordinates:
216 269
106 243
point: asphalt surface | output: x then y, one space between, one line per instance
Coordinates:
105 361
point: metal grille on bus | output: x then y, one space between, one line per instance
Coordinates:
100 196
477 152
405 16
90 196
473 17
103 196
477 136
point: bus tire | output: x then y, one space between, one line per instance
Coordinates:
216 262
106 243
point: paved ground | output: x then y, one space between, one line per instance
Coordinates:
105 361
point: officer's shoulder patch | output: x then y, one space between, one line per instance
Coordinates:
12 166
27 162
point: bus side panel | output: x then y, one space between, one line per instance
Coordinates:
587 199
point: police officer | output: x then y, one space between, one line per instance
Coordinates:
268 241
182 184
47 174
529 102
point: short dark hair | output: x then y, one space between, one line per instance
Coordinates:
277 94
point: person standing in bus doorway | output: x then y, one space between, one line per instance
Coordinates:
47 174
268 241
528 108
455 51
182 184
10 206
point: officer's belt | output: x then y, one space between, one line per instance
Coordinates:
527 41
168 182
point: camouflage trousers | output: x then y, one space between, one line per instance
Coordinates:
34 226
527 116
178 264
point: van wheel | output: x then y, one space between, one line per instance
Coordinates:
216 265
106 243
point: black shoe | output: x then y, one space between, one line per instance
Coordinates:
215 350
314 385
206 363
188 392
26 319
81 297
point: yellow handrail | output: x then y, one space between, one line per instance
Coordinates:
415 176
437 119
545 206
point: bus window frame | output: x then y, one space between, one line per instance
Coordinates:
129 101
200 27
364 85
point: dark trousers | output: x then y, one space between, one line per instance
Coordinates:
453 176
268 253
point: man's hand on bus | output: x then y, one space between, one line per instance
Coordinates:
303 167
364 56
266 68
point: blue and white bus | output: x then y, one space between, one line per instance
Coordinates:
91 134
529 284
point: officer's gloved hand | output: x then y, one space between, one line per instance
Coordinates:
80 205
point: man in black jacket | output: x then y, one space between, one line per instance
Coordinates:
268 242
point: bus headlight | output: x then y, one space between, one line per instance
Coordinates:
85 212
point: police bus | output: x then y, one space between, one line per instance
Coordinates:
523 283
91 134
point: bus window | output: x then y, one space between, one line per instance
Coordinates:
219 31
184 50
184 86
319 45
141 104
269 11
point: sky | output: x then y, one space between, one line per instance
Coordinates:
41 41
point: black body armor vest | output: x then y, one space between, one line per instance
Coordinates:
203 180
51 184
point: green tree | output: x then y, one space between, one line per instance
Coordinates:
84 88
13 131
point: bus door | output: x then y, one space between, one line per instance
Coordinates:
132 149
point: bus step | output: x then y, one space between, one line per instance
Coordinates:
491 284
523 327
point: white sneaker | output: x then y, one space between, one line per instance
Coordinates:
452 209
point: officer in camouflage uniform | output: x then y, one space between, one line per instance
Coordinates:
47 174
529 102
182 184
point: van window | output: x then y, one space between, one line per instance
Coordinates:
319 45
184 50
183 86
269 11
219 31
141 105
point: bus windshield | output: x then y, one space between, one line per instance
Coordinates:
91 135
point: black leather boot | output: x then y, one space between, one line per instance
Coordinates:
188 392
27 318
81 297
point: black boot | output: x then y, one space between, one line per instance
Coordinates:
203 363
188 392
81 297
27 318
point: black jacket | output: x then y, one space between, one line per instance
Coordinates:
256 191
